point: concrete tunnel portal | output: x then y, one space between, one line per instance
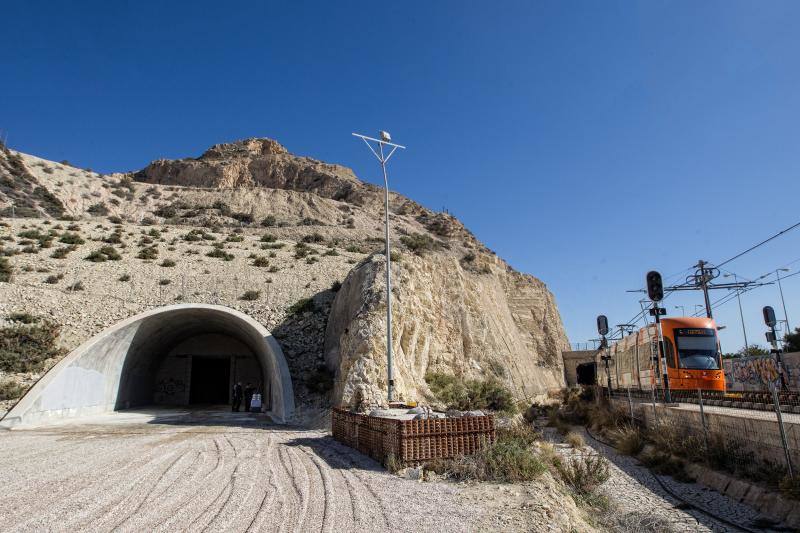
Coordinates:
177 355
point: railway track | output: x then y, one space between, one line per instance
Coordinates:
789 401
686 504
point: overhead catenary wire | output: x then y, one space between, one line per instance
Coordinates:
765 241
642 315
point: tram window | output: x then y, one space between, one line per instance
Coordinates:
697 348
669 352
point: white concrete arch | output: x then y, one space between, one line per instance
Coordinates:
116 368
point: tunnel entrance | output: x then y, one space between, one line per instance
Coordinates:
210 380
587 373
176 355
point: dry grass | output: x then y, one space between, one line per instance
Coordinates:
511 458
575 439
584 474
628 439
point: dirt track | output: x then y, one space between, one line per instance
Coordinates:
221 473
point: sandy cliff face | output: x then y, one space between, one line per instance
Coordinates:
448 319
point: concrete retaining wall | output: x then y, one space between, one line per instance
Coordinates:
753 434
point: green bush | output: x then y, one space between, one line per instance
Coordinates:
303 305
24 318
62 252
168 263
268 238
164 281
260 261
105 253
269 221
148 253
314 237
467 395
420 243
98 209
10 390
220 254
124 277
26 347
250 295
53 279
6 270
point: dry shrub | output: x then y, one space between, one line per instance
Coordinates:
584 473
663 463
636 522
509 459
628 439
575 439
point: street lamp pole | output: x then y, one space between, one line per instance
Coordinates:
783 302
383 159
682 308
741 314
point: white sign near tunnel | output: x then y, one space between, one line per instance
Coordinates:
117 368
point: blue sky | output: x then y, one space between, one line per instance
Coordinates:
585 142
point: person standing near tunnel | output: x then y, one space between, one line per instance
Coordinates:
237 396
248 396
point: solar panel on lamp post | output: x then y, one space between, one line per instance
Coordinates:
385 140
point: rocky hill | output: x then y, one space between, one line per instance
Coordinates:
292 241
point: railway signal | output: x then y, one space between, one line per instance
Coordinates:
655 290
602 329
772 338
602 325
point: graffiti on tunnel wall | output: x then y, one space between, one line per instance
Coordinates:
758 373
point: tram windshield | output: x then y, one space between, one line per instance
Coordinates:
697 348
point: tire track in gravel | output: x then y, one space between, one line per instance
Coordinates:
343 460
242 486
55 463
74 484
268 494
162 502
328 492
99 515
292 497
275 505
302 494
224 491
193 497
184 493
148 497
93 494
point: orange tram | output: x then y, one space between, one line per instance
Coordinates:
691 350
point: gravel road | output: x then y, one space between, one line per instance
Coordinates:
200 471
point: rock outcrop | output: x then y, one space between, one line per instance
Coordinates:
256 163
446 318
